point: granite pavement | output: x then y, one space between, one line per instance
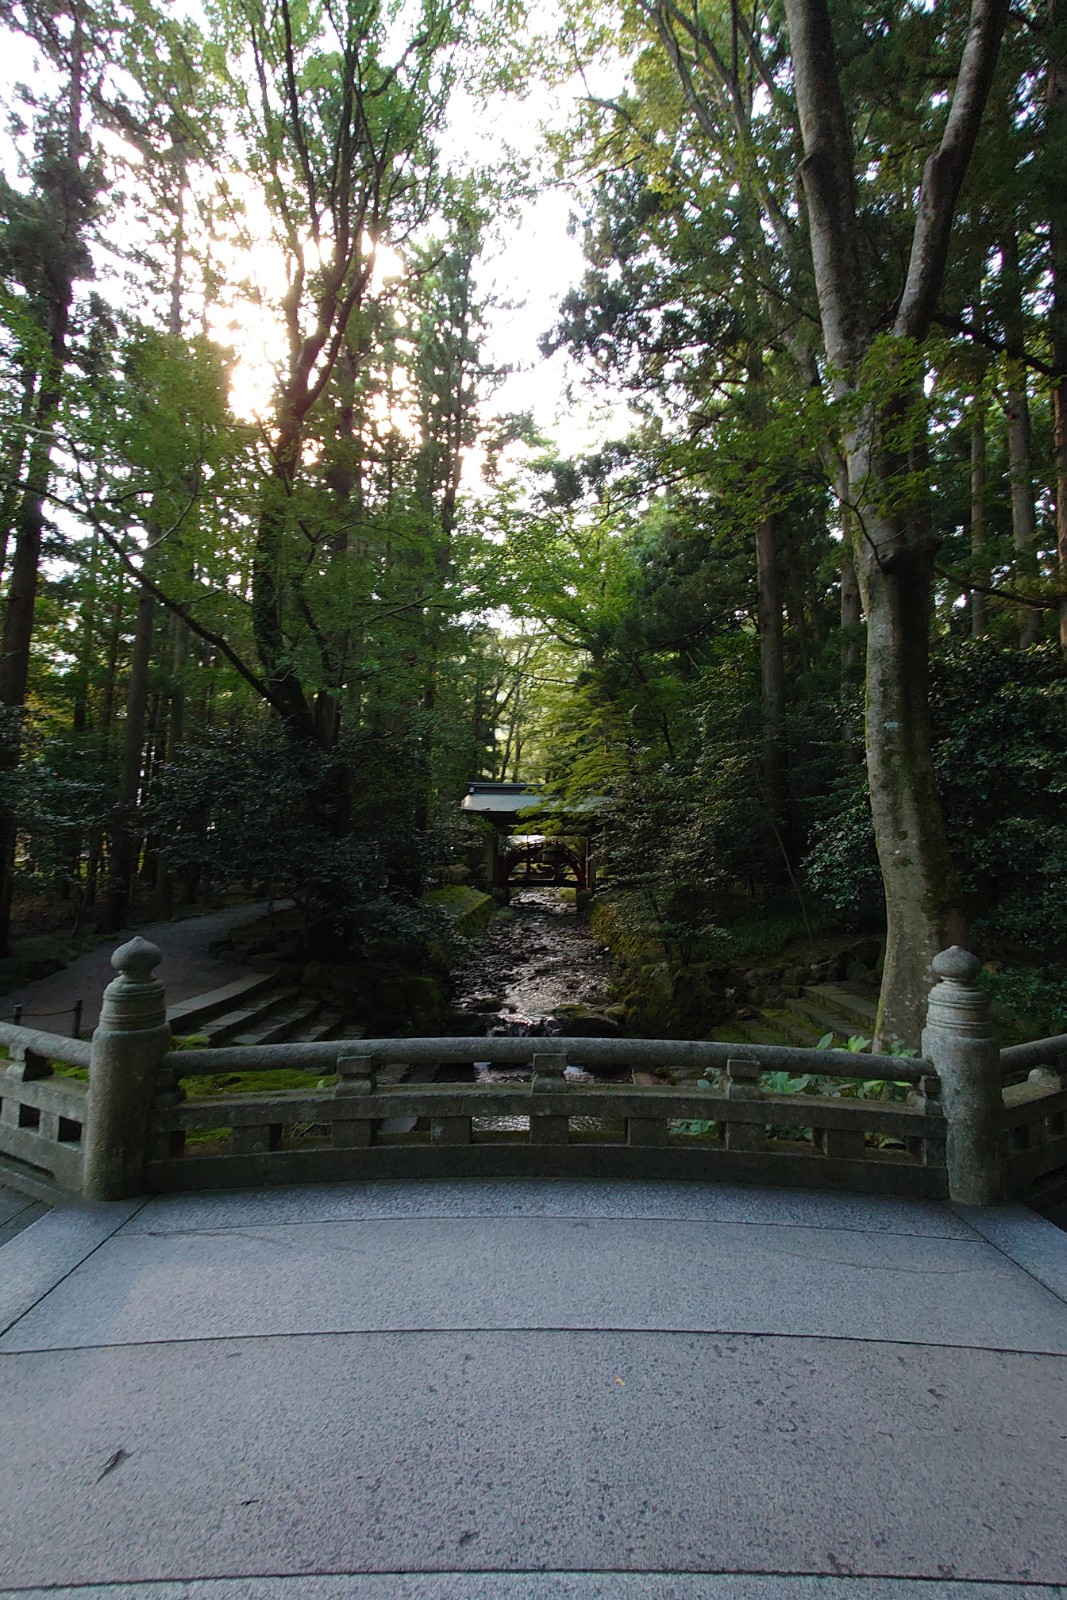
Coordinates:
533 1391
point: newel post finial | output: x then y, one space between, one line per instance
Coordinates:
128 1047
958 1040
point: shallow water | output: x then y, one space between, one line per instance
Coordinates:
536 957
531 961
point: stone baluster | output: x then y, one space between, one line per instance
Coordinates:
549 1067
958 1041
128 1047
742 1083
357 1079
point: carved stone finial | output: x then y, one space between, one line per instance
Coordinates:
956 964
137 959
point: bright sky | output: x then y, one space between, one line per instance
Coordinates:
528 270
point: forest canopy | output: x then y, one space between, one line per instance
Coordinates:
282 573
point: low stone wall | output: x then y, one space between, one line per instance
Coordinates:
469 909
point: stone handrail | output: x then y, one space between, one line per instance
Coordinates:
695 1054
1035 1053
736 1132
52 1046
1035 1112
42 1116
961 1132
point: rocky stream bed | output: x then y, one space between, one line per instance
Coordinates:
539 970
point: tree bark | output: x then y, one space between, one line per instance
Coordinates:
979 519
67 179
1055 189
124 838
772 681
1017 412
893 550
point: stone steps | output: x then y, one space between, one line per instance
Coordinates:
855 1007
244 1019
283 1025
186 1016
816 1013
326 1025
802 1020
270 1015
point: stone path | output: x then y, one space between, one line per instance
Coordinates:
533 1391
187 969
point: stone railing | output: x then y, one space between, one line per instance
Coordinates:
373 1124
1035 1116
961 1132
42 1114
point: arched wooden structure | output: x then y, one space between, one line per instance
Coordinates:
519 855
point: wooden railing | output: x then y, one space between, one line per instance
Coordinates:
375 1124
978 1125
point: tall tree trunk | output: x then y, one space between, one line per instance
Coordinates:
1023 514
19 614
126 832
894 556
9 502
67 177
772 682
124 845
979 520
1017 412
1055 190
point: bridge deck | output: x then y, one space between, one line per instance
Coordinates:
517 1390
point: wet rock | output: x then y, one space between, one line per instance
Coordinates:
582 1022
542 957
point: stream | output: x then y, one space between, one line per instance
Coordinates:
536 961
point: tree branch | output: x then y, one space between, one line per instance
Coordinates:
944 172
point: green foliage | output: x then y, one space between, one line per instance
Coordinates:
1035 997
1000 741
227 1085
1001 720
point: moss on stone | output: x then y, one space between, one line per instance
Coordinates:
470 910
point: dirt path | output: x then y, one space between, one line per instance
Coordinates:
187 969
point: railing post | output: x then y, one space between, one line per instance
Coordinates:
549 1068
742 1083
958 1041
129 1043
357 1078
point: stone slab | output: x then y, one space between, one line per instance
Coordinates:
544 1272
550 1586
550 1452
31 1210
695 1202
42 1255
11 1203
1034 1243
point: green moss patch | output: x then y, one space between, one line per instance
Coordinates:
469 909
